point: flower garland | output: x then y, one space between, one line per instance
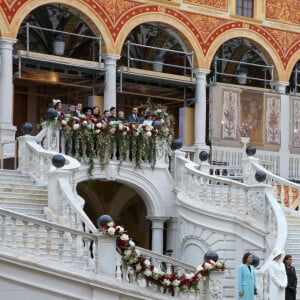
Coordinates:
142 266
89 137
245 129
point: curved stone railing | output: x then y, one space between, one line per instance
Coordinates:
258 201
286 192
64 205
40 242
47 242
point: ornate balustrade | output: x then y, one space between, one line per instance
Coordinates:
47 242
57 246
286 192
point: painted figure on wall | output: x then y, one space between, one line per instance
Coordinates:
252 110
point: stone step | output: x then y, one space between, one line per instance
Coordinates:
15 202
12 196
13 188
30 185
22 193
17 180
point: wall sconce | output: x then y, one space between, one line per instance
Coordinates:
59 44
158 62
241 74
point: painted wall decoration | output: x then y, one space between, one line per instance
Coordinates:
273 120
219 4
252 113
229 114
296 123
284 10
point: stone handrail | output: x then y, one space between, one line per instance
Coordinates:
65 205
286 192
47 241
36 161
64 248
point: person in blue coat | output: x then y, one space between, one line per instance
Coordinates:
246 279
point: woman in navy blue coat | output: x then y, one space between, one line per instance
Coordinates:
246 278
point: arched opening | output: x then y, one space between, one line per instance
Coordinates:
123 203
57 56
156 63
240 93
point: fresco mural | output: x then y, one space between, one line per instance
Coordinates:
252 113
273 119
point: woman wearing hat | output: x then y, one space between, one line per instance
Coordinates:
246 278
277 275
148 118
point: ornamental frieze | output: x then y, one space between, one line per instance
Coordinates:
286 11
113 9
216 4
285 43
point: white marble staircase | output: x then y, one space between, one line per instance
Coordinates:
18 192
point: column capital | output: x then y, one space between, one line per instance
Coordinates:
200 72
111 58
7 43
157 222
280 86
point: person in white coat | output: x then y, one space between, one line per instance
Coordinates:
278 277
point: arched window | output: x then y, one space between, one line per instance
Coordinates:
245 8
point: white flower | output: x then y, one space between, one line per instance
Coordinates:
110 224
189 275
76 126
148 133
112 130
219 264
199 275
84 123
166 282
90 125
124 237
147 273
97 131
99 125
111 231
136 133
147 262
175 282
162 121
124 133
120 229
127 128
208 266
64 122
121 126
127 252
137 252
131 243
138 267
149 128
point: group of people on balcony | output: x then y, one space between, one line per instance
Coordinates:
108 115
282 278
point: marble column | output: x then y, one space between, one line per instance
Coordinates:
7 130
284 151
172 234
110 87
200 112
157 228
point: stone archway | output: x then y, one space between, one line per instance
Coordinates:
120 201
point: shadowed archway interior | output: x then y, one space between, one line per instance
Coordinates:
121 202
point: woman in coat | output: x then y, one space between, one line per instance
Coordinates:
290 291
246 278
277 275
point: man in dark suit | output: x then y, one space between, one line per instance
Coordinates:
134 116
